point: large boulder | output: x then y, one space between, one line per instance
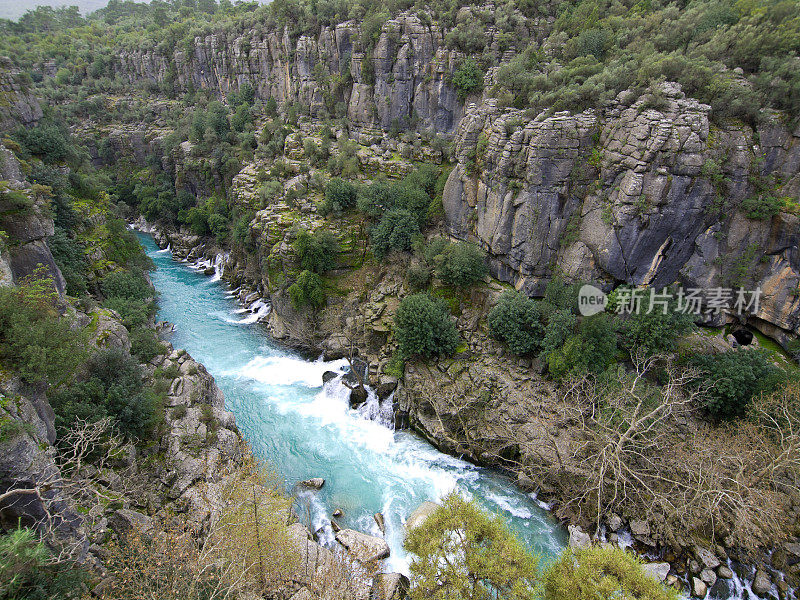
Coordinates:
422 512
762 584
364 548
578 538
657 571
389 586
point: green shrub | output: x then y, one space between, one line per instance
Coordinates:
761 208
316 251
127 284
591 350
418 276
467 78
145 345
655 332
395 231
601 573
464 264
113 388
560 326
308 290
734 378
340 195
35 342
69 257
460 551
26 571
423 327
133 313
375 199
516 320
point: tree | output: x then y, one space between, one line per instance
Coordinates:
467 78
516 320
395 231
462 552
592 349
464 264
656 332
733 378
340 195
308 290
423 327
601 574
316 251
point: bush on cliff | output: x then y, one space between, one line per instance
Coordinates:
112 388
601 573
463 265
395 231
340 195
423 327
460 551
733 378
516 320
34 341
308 290
591 350
316 250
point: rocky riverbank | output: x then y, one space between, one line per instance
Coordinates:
486 405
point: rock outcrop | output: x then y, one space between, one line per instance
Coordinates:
634 194
17 104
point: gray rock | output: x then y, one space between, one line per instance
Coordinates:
578 538
315 483
762 584
657 571
303 594
707 558
422 512
329 376
614 522
724 572
389 586
358 395
699 588
709 577
381 522
364 548
124 521
640 528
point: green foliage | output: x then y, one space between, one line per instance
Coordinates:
601 573
316 251
112 388
308 290
762 207
47 140
34 341
516 320
395 231
460 551
340 195
656 332
467 78
69 256
127 284
423 327
733 378
145 345
591 350
25 572
560 326
464 264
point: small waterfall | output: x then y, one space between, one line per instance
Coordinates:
374 409
219 265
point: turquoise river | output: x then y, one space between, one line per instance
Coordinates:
306 430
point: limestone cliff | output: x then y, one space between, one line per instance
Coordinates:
634 194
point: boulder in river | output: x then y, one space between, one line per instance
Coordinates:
315 483
328 376
761 583
578 538
390 586
364 548
358 395
699 588
381 522
418 517
657 571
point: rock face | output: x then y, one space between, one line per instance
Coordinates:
630 194
26 221
422 512
409 61
17 104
